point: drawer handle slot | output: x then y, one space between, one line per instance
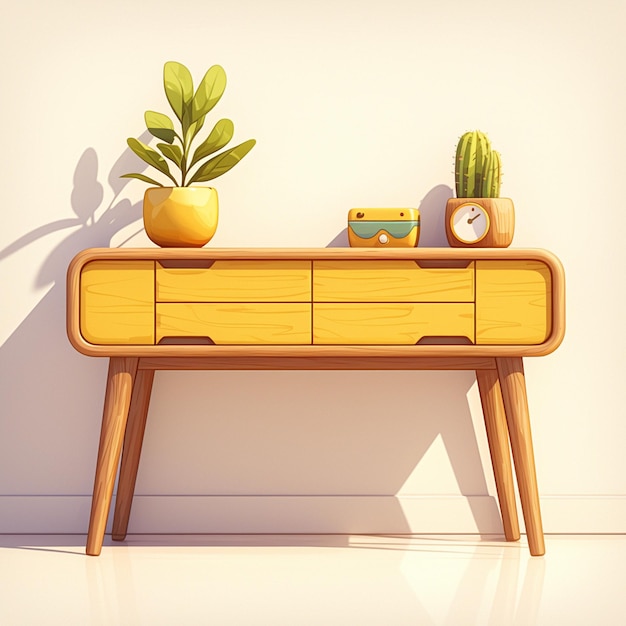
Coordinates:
200 264
434 340
186 341
443 264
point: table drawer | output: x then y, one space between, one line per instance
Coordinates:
393 323
391 281
513 302
234 323
235 281
117 302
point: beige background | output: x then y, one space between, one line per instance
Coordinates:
352 104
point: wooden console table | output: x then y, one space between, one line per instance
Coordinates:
330 308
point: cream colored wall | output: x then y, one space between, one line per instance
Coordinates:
352 104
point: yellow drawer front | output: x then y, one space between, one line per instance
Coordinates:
117 302
398 324
390 281
236 281
246 324
513 302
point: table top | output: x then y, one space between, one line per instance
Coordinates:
319 253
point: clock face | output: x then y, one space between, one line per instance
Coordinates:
469 223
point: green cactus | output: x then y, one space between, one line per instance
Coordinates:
491 179
477 167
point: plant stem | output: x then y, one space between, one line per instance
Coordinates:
183 164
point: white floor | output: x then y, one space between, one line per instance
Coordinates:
312 580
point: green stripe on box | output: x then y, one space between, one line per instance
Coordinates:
395 228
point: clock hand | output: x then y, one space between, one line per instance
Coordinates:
471 219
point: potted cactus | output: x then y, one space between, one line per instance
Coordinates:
478 217
182 215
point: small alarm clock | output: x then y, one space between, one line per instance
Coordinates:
380 228
480 222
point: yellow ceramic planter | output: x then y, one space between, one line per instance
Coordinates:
180 216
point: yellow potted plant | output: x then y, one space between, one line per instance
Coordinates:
182 215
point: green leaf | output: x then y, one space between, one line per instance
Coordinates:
193 130
150 156
146 179
178 87
221 134
173 153
209 92
160 126
222 162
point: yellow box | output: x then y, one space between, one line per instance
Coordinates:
383 228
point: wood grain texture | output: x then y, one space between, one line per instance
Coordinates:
315 363
417 352
498 438
209 256
235 323
131 452
236 281
513 302
391 323
117 302
117 401
513 383
390 281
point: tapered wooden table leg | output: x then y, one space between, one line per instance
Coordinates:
131 453
498 438
512 381
116 403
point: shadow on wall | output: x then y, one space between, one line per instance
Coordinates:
304 433
51 394
86 200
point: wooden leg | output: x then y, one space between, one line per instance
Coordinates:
117 400
498 438
137 416
511 372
